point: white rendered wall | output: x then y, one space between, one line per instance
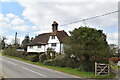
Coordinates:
36 49
58 48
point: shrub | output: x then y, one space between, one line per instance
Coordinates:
60 60
49 62
103 61
65 61
86 65
53 56
10 51
71 62
33 58
20 54
48 57
42 57
114 59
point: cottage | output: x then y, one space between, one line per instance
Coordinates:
48 40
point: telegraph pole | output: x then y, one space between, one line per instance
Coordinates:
15 39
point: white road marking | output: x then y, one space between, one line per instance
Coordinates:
11 63
34 72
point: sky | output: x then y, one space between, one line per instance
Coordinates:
35 17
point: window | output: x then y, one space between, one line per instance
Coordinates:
53 37
31 47
53 44
39 46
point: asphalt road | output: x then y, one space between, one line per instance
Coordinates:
15 69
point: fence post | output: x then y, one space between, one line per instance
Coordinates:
95 68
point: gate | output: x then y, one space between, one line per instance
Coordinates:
102 69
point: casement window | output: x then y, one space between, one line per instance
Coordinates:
53 37
53 44
39 46
31 47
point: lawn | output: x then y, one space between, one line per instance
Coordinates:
76 72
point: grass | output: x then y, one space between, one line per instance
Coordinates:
75 72
115 67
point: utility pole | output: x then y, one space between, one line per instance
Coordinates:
15 39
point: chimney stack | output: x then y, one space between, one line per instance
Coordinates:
55 26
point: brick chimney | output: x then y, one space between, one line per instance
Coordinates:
54 26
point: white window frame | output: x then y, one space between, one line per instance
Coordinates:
53 44
53 37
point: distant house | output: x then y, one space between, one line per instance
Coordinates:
48 40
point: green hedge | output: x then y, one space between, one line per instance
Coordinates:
42 57
49 62
13 52
62 61
10 51
33 58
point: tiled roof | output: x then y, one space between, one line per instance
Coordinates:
43 38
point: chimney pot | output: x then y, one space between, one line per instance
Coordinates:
54 26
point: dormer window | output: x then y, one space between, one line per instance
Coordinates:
53 37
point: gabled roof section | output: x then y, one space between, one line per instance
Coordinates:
61 35
42 39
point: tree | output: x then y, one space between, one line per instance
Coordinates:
16 43
87 44
114 49
50 53
25 42
2 42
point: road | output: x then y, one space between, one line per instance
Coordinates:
15 69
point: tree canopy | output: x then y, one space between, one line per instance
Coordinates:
87 42
25 42
2 42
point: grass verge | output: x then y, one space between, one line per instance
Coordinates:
75 72
116 67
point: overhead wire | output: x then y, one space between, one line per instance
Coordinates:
83 20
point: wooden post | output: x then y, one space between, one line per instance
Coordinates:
95 68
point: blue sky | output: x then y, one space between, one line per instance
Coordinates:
16 9
32 17
12 7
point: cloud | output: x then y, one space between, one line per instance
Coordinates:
11 16
112 38
17 21
42 14
12 22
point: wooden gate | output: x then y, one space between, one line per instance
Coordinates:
102 69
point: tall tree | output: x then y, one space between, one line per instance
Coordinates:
88 43
25 42
114 49
2 42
